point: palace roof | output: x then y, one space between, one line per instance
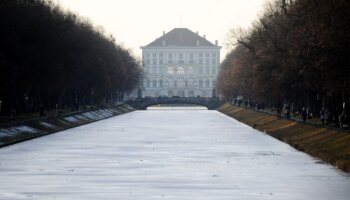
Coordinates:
181 37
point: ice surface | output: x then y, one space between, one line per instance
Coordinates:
162 154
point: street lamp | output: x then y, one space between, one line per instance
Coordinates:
26 101
213 96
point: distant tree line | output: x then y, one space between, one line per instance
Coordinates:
49 57
297 52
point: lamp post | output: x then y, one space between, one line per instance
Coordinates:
26 102
213 96
139 92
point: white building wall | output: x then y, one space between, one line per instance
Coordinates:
180 71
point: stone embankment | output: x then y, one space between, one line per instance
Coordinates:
21 131
330 145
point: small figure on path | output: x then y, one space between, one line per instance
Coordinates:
342 119
323 115
41 111
303 114
13 114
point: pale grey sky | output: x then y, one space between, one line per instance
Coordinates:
136 23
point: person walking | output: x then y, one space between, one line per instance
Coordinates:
326 116
322 115
304 114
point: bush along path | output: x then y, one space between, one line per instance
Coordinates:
30 129
330 145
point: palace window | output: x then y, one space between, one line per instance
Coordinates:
190 70
180 56
170 70
213 83
180 71
192 82
181 83
161 70
154 70
154 83
147 69
207 69
214 70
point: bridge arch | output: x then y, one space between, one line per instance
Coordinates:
144 103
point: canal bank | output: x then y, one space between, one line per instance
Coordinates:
16 132
330 145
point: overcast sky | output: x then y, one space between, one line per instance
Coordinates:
136 23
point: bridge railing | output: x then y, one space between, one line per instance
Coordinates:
142 103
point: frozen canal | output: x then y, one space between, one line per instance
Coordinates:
165 154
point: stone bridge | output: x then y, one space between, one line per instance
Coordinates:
143 103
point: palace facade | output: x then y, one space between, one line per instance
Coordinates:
180 63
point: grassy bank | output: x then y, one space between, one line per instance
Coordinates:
330 145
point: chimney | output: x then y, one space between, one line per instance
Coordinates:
197 42
163 42
197 32
204 36
216 42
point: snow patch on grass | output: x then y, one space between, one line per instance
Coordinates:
17 130
71 119
48 125
92 115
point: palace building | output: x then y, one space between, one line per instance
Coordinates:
180 63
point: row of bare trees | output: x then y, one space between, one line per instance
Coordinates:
297 52
50 57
